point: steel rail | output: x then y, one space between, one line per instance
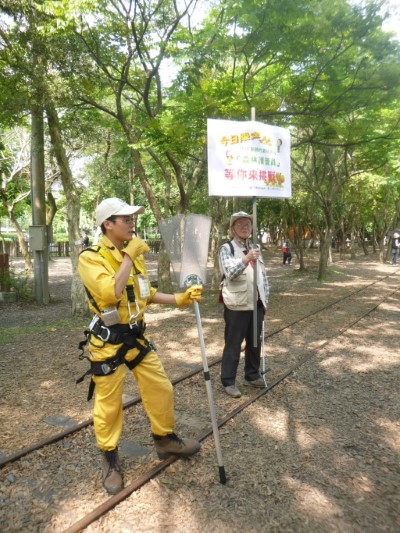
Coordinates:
111 502
134 401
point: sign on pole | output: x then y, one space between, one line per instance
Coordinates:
248 158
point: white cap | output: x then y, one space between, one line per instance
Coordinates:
240 214
114 206
396 235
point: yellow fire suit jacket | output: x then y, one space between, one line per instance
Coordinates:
98 276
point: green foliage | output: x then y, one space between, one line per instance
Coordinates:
136 81
20 283
60 237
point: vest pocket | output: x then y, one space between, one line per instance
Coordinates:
234 292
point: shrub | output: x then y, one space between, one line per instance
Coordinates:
19 283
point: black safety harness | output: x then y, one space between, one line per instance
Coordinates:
126 334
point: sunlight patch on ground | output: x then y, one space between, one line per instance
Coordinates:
308 439
312 500
274 425
368 360
334 364
390 432
362 485
390 306
48 384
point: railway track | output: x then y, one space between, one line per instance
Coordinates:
134 401
364 302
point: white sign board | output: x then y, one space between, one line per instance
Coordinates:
248 159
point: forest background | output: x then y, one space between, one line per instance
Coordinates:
112 99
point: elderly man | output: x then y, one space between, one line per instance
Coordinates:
115 278
236 260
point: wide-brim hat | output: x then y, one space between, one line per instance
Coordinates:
396 235
114 206
240 214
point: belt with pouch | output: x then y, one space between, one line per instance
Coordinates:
125 334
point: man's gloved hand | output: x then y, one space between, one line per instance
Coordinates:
186 298
135 247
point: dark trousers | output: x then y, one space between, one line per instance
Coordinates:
287 256
239 327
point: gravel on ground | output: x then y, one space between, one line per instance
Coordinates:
319 452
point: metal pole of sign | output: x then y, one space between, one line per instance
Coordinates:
255 289
264 368
222 475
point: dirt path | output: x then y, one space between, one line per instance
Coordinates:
318 453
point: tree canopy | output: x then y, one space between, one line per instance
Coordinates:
129 86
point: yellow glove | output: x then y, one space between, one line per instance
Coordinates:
186 298
135 247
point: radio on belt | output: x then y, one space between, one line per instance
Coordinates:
110 316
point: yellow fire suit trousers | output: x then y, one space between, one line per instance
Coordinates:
157 396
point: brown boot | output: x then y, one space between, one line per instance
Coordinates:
172 445
112 478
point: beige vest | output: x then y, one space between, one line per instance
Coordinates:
238 293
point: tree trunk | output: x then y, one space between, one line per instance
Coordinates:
298 245
325 246
352 244
78 299
342 242
300 257
219 215
364 243
163 271
323 257
22 243
382 251
219 241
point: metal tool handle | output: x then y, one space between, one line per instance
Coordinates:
222 475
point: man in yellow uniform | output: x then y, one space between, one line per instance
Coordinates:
115 278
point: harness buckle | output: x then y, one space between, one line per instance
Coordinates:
94 321
131 298
106 369
132 316
100 334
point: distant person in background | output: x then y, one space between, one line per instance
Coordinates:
85 241
287 256
395 248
